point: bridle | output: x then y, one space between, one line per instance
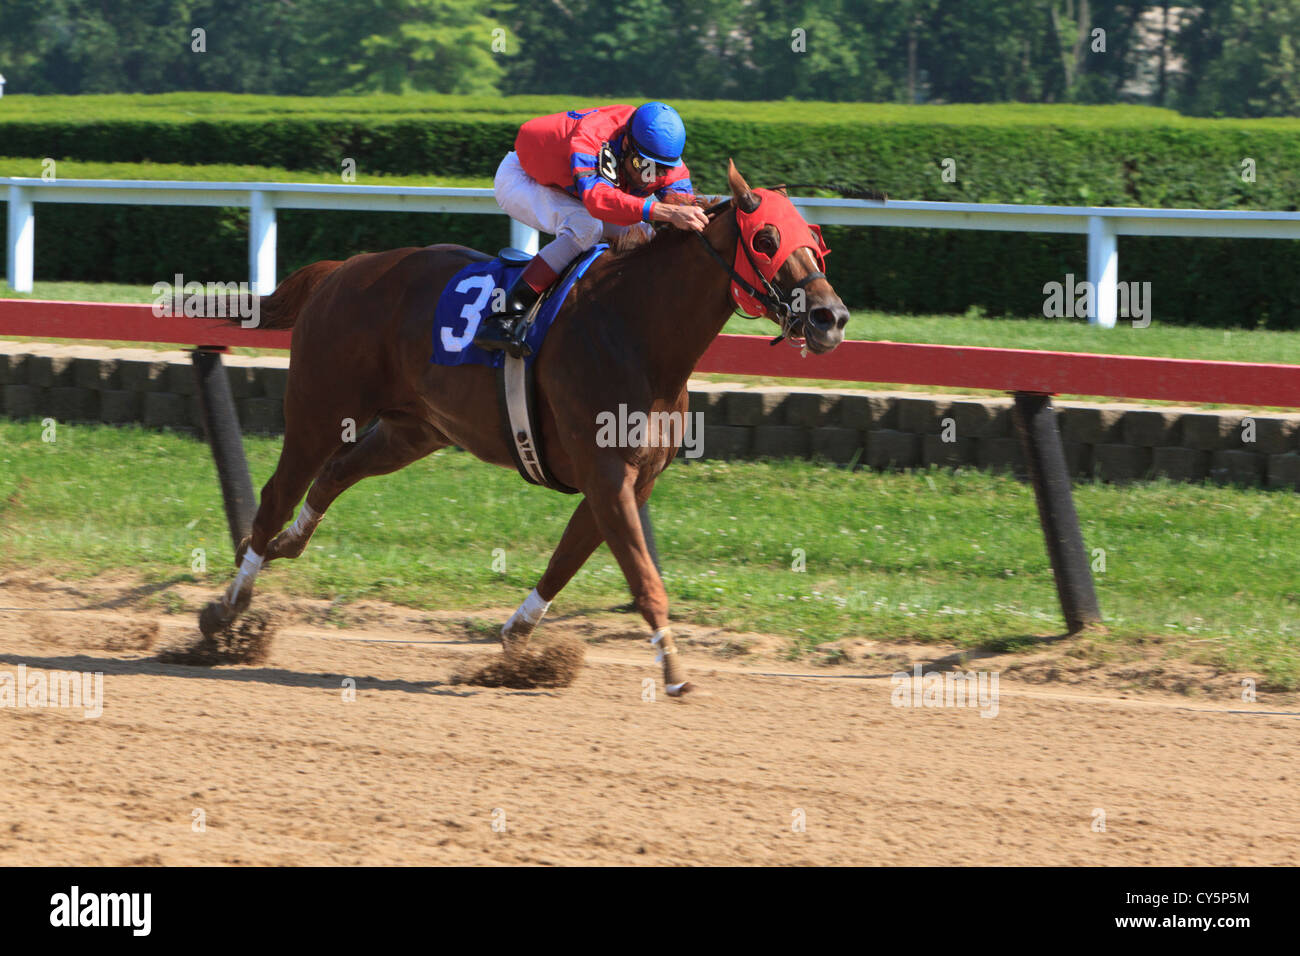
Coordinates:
770 296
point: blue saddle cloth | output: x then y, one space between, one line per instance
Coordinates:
468 299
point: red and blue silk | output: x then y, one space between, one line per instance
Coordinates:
562 150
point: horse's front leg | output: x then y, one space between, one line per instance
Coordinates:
615 507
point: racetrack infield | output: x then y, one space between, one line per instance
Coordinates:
418 769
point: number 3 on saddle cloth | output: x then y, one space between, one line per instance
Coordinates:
463 304
469 297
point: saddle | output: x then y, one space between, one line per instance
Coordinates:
456 317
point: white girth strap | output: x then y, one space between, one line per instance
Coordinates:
521 429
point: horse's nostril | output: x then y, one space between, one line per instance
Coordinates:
827 318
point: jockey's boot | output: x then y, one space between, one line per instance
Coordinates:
505 330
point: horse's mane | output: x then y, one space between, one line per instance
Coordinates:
635 243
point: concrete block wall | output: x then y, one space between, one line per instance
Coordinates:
1111 441
119 386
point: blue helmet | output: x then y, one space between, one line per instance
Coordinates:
658 133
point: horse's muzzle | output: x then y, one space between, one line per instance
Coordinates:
824 326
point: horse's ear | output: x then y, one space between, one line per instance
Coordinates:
737 182
740 191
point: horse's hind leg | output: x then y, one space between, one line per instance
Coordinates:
396 441
301 458
581 537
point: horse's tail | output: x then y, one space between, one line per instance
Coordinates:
280 309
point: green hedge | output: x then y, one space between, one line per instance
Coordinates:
1133 156
1008 153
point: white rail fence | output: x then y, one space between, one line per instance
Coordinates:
1103 225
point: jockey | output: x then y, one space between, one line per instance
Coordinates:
584 176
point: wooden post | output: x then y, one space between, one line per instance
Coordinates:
1041 440
221 425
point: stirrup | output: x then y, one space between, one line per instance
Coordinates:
503 335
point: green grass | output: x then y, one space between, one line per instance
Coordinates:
922 556
83 292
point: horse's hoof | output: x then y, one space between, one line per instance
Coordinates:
681 690
512 646
285 545
214 618
225 639
516 638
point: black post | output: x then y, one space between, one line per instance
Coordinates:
1045 456
648 530
221 425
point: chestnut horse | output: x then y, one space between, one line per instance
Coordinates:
631 333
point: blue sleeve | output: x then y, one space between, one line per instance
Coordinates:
681 186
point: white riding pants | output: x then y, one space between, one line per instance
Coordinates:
552 210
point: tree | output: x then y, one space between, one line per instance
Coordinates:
1229 57
446 46
1240 59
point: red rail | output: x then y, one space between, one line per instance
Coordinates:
1017 370
125 323
953 366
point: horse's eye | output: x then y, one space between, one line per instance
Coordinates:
764 243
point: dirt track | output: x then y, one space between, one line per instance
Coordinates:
411 772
